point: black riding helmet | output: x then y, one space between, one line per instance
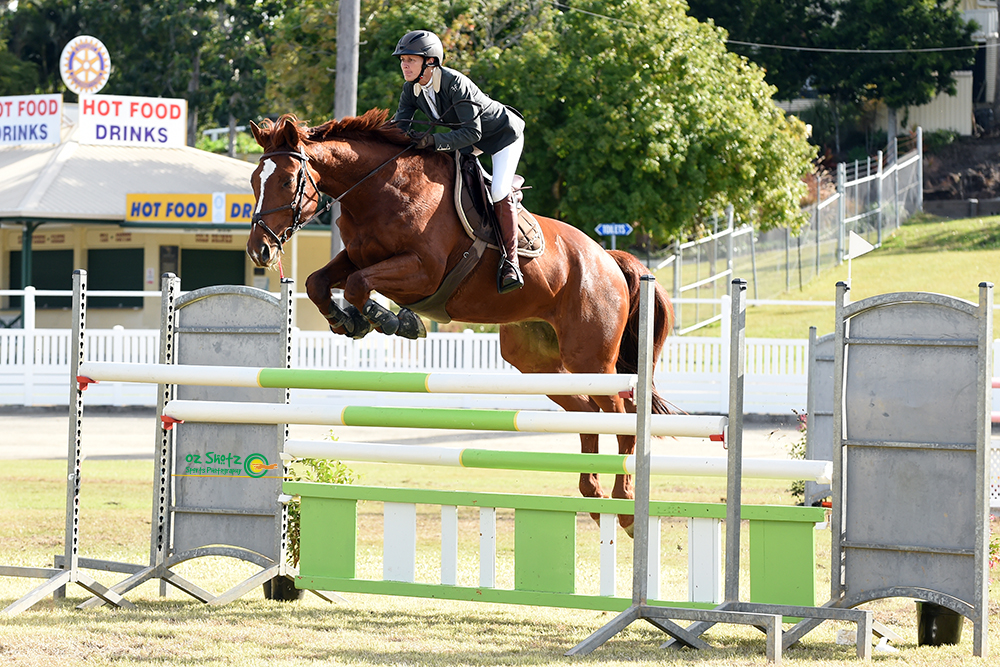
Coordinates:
420 43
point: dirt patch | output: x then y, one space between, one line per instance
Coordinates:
966 169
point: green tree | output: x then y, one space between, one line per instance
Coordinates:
900 79
17 77
799 23
644 117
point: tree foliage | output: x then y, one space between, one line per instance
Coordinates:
644 117
801 23
640 117
899 79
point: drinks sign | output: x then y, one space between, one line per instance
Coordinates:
30 119
120 120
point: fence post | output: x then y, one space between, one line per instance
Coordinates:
816 213
678 276
788 259
920 168
731 227
31 359
725 334
841 209
879 194
118 354
895 177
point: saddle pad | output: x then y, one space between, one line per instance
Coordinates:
530 240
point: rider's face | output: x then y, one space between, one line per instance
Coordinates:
411 69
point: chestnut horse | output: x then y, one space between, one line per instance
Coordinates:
577 312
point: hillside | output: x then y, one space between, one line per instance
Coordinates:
969 168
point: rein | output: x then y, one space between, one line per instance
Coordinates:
296 204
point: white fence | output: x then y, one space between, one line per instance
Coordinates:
34 368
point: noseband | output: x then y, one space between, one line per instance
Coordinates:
300 188
295 205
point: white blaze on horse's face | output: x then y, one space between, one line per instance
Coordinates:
260 252
265 173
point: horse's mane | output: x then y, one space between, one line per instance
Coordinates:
370 126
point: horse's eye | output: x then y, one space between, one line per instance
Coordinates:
287 184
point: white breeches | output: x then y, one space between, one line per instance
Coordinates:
504 168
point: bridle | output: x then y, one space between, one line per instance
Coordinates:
304 174
300 188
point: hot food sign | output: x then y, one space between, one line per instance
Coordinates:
121 120
30 119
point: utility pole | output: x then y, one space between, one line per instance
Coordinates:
345 100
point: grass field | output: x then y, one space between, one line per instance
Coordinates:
926 255
367 630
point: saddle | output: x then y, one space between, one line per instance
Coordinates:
475 211
475 208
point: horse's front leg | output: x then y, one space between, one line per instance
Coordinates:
320 285
401 276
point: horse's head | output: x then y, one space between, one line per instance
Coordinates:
284 185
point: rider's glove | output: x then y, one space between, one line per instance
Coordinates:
425 140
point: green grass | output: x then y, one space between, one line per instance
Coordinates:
926 255
368 630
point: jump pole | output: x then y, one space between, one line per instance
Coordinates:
540 421
587 384
69 572
614 464
768 617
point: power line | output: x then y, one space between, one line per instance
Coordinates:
784 47
876 51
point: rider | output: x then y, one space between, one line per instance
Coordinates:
481 124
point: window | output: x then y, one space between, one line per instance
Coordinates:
204 268
114 269
50 270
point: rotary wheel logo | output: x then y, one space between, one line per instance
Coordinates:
256 465
85 65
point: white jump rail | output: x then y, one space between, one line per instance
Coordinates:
227 412
589 384
682 466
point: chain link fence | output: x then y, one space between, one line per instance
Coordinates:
870 198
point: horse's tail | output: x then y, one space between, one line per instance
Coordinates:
663 321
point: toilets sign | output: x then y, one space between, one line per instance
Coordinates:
119 120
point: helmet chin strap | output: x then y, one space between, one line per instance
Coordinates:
424 69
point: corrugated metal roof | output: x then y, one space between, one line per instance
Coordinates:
73 181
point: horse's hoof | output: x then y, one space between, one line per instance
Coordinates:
381 317
630 528
410 325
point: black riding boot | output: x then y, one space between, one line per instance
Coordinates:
508 273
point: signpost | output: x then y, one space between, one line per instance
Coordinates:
614 230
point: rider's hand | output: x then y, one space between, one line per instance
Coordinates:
425 140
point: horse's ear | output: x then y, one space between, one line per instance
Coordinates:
258 134
292 136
